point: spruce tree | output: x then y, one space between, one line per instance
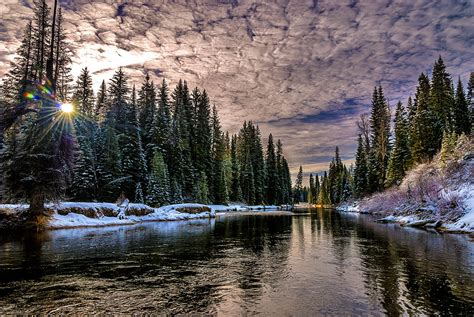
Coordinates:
470 98
441 101
298 190
287 189
147 117
219 193
158 188
163 123
360 170
134 167
272 178
400 156
380 128
235 189
461 118
83 97
423 131
324 198
101 106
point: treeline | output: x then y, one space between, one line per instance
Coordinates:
331 188
438 111
148 144
430 122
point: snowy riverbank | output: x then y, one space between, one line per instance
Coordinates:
438 194
85 214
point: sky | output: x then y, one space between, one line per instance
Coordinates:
302 70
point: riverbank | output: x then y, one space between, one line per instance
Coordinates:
437 194
89 214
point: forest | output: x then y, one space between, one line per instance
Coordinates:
149 144
429 123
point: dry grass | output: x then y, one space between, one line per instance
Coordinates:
139 211
193 210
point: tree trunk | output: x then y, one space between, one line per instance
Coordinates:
36 210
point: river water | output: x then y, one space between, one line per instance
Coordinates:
308 263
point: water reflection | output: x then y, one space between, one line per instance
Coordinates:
313 262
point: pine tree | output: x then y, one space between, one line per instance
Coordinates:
287 188
158 188
272 178
400 156
448 145
162 125
139 194
441 101
361 170
201 191
380 128
247 180
298 190
235 189
324 198
312 190
147 117
423 139
470 98
83 97
461 118
109 165
133 158
219 191
101 106
63 79
41 37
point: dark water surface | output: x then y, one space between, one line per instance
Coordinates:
310 263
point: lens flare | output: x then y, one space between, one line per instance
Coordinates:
67 107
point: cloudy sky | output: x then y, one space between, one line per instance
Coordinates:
303 70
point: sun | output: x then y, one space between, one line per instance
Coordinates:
67 108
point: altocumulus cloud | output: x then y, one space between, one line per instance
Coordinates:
304 70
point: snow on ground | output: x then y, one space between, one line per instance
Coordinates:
90 214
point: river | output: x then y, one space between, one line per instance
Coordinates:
308 263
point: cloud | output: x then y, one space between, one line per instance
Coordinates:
303 70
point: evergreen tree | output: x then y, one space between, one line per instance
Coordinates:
163 122
247 180
441 101
139 194
235 189
423 139
147 117
201 191
470 98
101 106
324 198
287 186
461 118
83 98
400 156
158 188
219 191
312 190
109 166
298 190
272 178
380 128
133 158
361 170
63 79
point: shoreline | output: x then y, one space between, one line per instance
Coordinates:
420 219
72 215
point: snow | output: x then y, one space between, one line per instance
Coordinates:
354 207
91 214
